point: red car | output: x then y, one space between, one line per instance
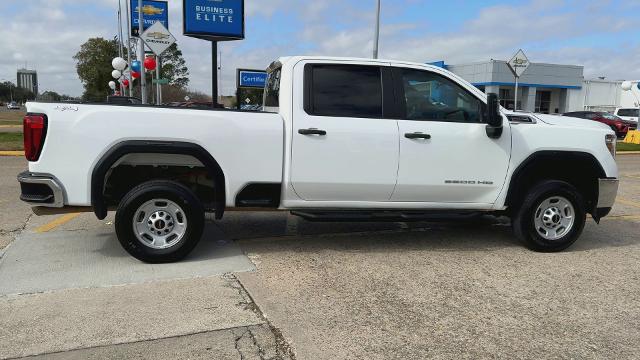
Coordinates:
620 126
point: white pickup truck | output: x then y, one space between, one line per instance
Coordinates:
339 139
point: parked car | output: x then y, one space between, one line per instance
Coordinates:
339 139
13 106
617 124
628 114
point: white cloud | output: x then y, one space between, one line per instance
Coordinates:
47 37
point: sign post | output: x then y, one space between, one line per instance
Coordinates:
158 39
220 20
143 78
518 64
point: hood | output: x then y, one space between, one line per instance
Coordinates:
571 122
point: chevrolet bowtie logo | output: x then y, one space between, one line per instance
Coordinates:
158 35
151 10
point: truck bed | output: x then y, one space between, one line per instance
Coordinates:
247 145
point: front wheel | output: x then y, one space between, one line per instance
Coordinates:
159 221
551 218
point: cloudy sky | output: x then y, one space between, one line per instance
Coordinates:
602 35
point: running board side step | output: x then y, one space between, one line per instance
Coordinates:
392 216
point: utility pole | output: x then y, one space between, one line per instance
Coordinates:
376 35
143 78
120 42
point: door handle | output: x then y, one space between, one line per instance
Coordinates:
312 131
417 135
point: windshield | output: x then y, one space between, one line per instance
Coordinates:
272 89
609 116
627 112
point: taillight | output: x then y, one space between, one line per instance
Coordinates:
35 130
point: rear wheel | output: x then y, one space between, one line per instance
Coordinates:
159 221
551 218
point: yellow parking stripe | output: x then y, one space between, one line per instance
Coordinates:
11 153
57 222
628 202
622 217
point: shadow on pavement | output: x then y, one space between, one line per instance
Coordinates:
483 233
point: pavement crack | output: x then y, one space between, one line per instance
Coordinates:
284 350
19 229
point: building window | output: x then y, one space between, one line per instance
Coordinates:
543 102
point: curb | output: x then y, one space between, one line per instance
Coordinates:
11 153
10 126
627 152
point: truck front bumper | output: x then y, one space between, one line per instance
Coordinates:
41 190
607 192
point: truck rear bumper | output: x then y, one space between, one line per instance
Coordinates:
607 192
41 190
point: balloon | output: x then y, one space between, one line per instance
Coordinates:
119 63
135 66
112 84
116 74
125 82
150 63
627 85
135 74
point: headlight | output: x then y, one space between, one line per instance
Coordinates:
610 140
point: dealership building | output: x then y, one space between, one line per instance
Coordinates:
545 88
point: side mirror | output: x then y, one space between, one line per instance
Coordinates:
493 118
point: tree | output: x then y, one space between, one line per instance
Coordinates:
94 67
174 67
51 95
9 90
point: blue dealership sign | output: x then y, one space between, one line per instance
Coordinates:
152 11
251 78
217 20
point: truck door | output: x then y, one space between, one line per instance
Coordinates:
344 146
445 153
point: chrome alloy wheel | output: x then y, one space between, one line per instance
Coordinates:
554 218
159 223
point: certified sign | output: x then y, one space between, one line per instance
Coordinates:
158 38
152 12
251 78
519 63
217 20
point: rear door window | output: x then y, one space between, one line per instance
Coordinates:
344 91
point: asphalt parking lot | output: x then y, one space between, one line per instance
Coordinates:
271 286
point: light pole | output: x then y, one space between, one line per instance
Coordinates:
376 35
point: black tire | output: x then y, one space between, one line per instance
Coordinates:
191 216
524 223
